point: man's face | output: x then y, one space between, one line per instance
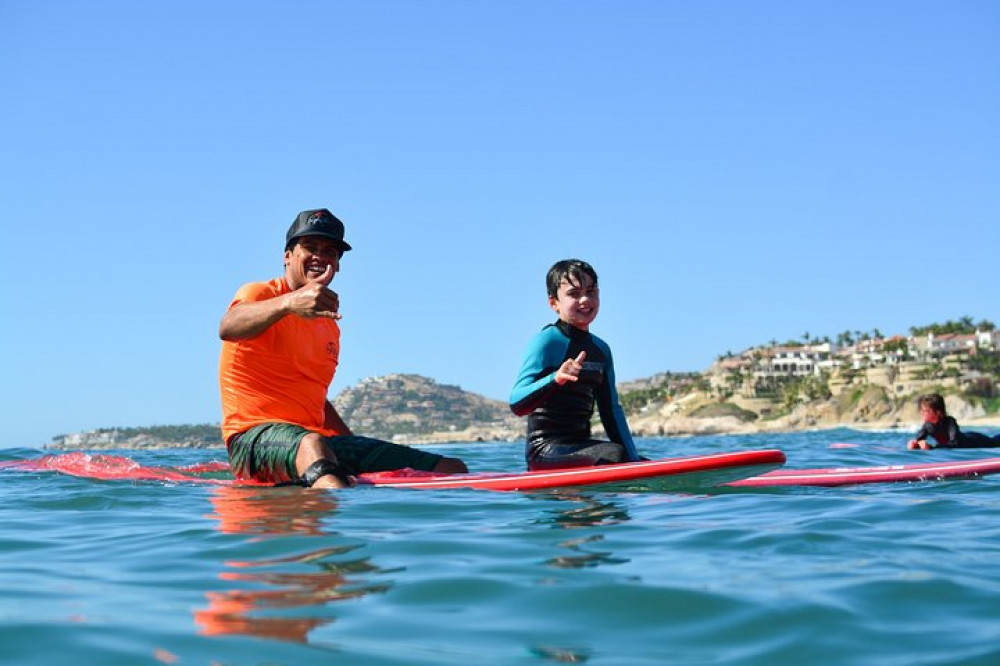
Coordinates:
309 258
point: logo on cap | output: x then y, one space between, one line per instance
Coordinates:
317 218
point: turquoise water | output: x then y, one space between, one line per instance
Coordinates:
122 572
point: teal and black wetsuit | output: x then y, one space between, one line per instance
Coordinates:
948 436
559 416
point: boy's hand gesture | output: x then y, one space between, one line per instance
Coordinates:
569 371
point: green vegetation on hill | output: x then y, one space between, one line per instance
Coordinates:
208 433
660 388
963 326
988 364
721 409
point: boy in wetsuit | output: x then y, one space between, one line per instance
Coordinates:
566 371
944 429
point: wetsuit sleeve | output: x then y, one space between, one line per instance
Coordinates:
925 431
966 440
537 379
948 435
945 435
953 434
609 407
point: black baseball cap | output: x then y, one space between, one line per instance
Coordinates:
318 222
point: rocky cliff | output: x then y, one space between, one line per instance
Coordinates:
697 413
411 408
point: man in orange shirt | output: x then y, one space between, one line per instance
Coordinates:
280 349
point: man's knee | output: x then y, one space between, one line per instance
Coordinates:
313 450
312 447
451 466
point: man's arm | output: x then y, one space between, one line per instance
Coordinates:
333 421
251 318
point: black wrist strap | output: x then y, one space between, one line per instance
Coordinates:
321 468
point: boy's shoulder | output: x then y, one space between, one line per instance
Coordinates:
600 342
548 334
559 333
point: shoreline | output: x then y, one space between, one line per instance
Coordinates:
681 426
685 428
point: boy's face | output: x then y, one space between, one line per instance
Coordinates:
929 415
577 303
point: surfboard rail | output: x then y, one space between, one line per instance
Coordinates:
681 473
844 476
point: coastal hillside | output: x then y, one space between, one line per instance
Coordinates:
201 436
704 413
860 379
411 408
403 408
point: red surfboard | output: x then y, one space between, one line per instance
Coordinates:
668 474
843 476
688 473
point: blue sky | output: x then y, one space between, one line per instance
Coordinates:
735 171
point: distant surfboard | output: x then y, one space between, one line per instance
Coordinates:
668 474
843 476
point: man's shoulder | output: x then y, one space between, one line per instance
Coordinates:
261 291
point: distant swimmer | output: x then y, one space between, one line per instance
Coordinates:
944 430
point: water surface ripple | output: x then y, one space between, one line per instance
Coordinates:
116 572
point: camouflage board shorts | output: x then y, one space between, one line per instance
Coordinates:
266 453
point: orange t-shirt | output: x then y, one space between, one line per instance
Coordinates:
283 374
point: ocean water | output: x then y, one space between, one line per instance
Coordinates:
148 572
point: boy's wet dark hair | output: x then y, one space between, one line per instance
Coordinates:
933 401
572 270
